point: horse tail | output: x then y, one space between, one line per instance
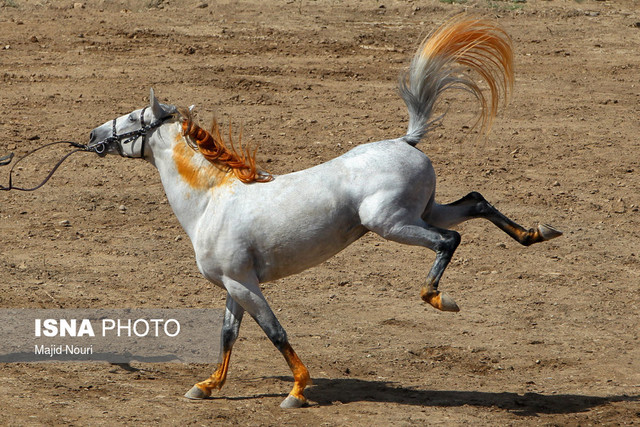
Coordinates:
442 62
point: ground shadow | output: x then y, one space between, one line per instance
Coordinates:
347 390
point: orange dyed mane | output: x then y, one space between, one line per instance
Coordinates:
211 145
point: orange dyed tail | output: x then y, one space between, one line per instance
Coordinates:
440 62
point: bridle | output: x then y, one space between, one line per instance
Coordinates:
100 147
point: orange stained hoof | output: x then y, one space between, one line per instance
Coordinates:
292 402
439 300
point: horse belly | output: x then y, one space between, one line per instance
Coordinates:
306 246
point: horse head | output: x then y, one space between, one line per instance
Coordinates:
128 135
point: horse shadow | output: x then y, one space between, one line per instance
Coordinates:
327 392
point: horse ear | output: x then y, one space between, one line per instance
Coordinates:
160 110
156 107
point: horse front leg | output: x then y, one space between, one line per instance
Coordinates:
247 293
474 205
230 328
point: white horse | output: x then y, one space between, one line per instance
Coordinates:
249 227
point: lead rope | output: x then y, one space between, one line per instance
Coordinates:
5 160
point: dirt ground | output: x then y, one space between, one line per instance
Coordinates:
547 335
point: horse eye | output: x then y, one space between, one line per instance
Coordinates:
132 119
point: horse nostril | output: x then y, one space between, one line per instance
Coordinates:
91 136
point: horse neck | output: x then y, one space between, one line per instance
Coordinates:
190 181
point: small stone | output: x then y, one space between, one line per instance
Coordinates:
203 5
122 208
65 223
555 184
619 206
78 5
34 39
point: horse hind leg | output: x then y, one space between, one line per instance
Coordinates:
443 242
474 205
444 252
230 328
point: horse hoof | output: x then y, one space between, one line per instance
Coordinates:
548 232
292 402
441 301
196 393
447 303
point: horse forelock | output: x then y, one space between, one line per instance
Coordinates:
241 162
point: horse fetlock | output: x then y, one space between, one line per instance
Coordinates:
302 376
439 300
203 389
541 233
301 380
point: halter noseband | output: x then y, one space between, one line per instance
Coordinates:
100 147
